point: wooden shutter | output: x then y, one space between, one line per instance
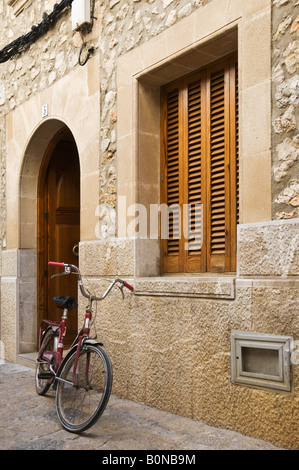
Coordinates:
200 169
222 184
171 181
195 258
216 182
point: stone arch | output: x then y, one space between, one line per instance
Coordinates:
39 147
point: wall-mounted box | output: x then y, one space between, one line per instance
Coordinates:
261 360
80 13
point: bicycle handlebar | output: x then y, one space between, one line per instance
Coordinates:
54 263
69 267
128 286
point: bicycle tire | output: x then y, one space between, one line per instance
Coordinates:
80 405
43 385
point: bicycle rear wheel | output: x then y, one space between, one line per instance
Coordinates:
79 405
42 385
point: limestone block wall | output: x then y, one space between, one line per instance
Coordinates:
277 253
18 320
9 304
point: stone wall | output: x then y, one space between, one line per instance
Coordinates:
119 27
125 26
50 58
285 114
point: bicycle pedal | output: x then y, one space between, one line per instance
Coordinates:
45 375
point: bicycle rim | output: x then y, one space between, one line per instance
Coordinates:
79 405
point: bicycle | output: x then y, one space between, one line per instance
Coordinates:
82 379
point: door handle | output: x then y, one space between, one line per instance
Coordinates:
76 250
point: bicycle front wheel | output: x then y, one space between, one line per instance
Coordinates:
83 395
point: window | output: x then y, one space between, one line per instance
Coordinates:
199 170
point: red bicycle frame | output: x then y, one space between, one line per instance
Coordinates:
57 355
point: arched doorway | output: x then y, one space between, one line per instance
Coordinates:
58 225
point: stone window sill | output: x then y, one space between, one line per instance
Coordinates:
209 287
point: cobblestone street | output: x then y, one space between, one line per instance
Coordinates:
29 422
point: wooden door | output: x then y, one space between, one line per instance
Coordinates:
61 229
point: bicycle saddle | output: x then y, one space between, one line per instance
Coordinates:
65 302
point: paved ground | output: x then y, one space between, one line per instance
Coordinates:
29 422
